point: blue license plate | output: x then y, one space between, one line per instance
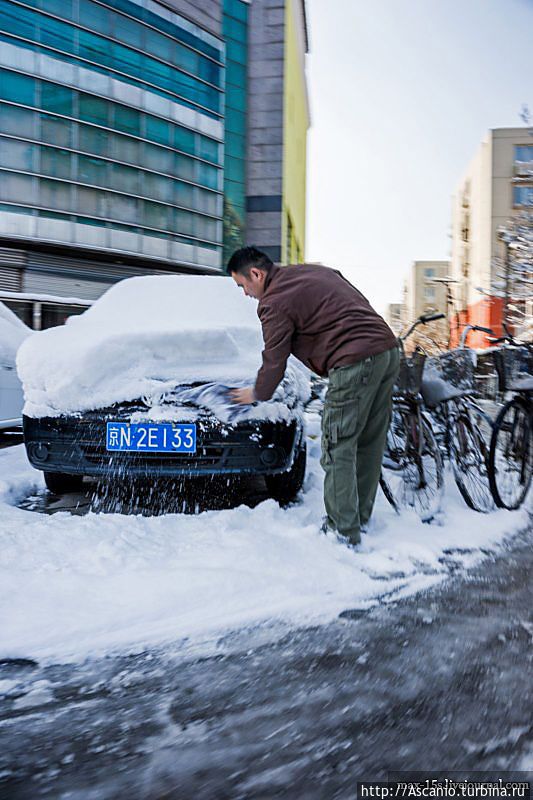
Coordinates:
146 438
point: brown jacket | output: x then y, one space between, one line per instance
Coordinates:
314 313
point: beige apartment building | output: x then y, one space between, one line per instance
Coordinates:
497 185
393 317
425 291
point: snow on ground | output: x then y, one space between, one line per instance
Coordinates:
72 586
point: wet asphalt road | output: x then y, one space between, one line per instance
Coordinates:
441 681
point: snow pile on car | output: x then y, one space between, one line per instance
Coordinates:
144 337
12 333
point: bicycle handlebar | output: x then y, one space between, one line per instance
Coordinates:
469 328
422 320
508 337
430 317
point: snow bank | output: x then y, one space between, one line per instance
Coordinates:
12 333
142 337
77 586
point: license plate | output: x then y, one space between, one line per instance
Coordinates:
146 438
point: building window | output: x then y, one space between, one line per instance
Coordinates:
209 149
523 152
16 188
93 140
207 175
183 222
125 209
17 155
91 202
92 170
125 179
156 215
429 293
158 130
56 130
15 120
17 88
56 163
127 120
55 194
158 187
94 109
183 194
57 99
123 148
57 34
429 272
523 195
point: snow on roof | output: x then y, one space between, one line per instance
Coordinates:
45 298
12 333
144 335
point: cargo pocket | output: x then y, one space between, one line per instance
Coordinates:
339 421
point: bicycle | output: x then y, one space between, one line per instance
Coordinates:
510 464
447 389
412 473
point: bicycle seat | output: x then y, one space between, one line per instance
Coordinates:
436 391
523 383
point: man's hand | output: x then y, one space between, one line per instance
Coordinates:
242 396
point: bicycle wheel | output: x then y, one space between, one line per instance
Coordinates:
511 454
385 488
469 457
412 464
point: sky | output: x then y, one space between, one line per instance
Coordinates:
402 93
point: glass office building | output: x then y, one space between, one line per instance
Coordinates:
235 28
111 132
146 136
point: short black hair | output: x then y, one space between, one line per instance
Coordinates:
242 260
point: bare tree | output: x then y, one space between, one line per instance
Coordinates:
513 273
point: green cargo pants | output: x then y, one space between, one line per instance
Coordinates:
356 417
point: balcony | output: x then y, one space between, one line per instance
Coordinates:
523 169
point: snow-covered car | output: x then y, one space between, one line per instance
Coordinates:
12 333
136 388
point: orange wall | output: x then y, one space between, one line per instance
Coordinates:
488 312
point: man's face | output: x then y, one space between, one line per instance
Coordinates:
252 285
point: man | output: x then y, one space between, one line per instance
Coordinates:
314 313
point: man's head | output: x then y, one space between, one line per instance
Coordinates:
249 267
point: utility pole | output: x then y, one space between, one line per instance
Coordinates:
504 237
507 275
449 303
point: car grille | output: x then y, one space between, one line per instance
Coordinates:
80 442
235 455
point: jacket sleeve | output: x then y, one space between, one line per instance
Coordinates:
278 330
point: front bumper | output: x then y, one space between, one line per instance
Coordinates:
77 445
